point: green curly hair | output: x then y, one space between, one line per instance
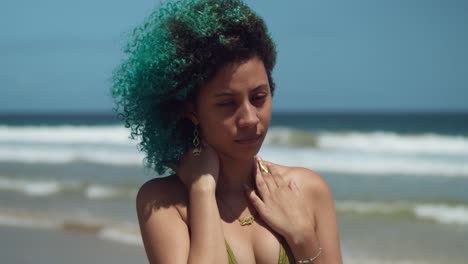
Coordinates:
178 49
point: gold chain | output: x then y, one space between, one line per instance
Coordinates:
243 220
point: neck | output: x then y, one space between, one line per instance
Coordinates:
234 174
230 187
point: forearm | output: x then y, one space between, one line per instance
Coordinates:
206 233
305 246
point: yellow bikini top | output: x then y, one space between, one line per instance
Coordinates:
285 255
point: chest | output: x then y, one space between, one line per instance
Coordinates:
251 244
255 243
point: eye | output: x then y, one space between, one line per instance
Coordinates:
225 103
259 98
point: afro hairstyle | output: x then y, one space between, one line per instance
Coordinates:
180 46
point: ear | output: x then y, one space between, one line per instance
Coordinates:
191 114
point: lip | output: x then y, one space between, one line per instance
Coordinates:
248 140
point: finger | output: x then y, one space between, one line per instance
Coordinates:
279 181
256 201
296 190
203 143
267 177
263 167
260 183
172 166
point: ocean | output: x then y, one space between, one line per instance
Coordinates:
399 180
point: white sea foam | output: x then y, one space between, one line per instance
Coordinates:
99 191
367 163
22 220
53 187
440 213
361 207
32 188
45 219
443 213
284 136
370 142
316 159
374 154
122 235
42 188
117 135
96 191
374 142
62 154
388 142
123 232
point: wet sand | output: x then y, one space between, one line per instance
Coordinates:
369 240
24 245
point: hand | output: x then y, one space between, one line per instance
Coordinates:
280 204
199 171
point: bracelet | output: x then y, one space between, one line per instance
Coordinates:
311 259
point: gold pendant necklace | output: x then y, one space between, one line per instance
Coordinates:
243 220
246 220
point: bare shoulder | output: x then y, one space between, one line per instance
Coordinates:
157 193
319 197
310 182
163 227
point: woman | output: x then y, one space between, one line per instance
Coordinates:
197 90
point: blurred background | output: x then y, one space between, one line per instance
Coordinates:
371 94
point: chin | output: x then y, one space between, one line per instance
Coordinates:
236 153
245 153
239 151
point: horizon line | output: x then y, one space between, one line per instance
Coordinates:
282 111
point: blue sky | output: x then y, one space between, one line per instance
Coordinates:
362 55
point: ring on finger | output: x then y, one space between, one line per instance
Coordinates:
263 168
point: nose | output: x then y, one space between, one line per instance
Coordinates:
247 115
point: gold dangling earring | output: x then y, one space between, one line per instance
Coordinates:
196 142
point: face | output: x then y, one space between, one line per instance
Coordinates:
233 109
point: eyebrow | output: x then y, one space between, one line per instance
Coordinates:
228 93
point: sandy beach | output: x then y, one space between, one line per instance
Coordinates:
24 245
375 241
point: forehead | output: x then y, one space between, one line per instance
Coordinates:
237 77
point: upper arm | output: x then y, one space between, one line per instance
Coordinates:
165 234
317 191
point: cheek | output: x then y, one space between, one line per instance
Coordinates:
218 138
215 131
265 113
